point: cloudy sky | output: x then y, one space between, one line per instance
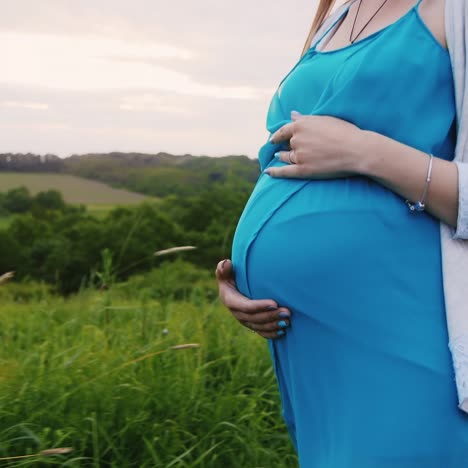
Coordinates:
182 76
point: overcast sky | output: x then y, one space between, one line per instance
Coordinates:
181 76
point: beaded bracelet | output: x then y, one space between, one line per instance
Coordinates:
420 205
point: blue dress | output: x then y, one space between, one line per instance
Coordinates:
364 371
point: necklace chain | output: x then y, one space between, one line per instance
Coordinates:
357 13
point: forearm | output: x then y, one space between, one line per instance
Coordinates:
403 169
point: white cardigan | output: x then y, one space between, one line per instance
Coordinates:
454 242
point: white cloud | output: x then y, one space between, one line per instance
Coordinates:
24 105
152 103
85 63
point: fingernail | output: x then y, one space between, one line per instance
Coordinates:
280 332
266 171
277 154
271 308
282 324
283 314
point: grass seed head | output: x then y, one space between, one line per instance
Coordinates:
57 451
185 346
174 250
6 277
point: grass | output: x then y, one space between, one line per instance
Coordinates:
75 190
97 372
5 221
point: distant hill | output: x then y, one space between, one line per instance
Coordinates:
158 174
18 162
74 189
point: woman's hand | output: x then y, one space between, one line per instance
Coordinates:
262 316
322 147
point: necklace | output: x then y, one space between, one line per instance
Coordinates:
352 30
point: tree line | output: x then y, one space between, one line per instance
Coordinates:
157 175
63 245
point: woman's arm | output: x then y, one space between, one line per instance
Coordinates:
403 169
328 147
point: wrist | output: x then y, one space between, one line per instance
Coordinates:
361 149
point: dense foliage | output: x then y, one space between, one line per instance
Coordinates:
63 245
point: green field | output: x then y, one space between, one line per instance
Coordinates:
97 372
75 190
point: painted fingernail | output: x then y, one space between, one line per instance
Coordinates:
277 154
271 308
283 314
280 332
282 324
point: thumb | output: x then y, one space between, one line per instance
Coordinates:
224 270
295 115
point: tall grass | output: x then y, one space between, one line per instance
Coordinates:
98 372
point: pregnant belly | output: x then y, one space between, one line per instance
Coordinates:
331 248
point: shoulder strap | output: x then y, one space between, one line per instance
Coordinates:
330 22
416 6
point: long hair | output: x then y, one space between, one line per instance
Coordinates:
323 10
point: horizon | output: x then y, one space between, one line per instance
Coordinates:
106 76
107 153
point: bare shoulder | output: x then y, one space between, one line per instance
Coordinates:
432 12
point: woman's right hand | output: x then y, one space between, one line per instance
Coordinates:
262 316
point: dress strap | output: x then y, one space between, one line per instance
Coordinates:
339 17
416 7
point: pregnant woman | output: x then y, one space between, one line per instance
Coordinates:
336 259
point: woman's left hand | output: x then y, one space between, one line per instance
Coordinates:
322 147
